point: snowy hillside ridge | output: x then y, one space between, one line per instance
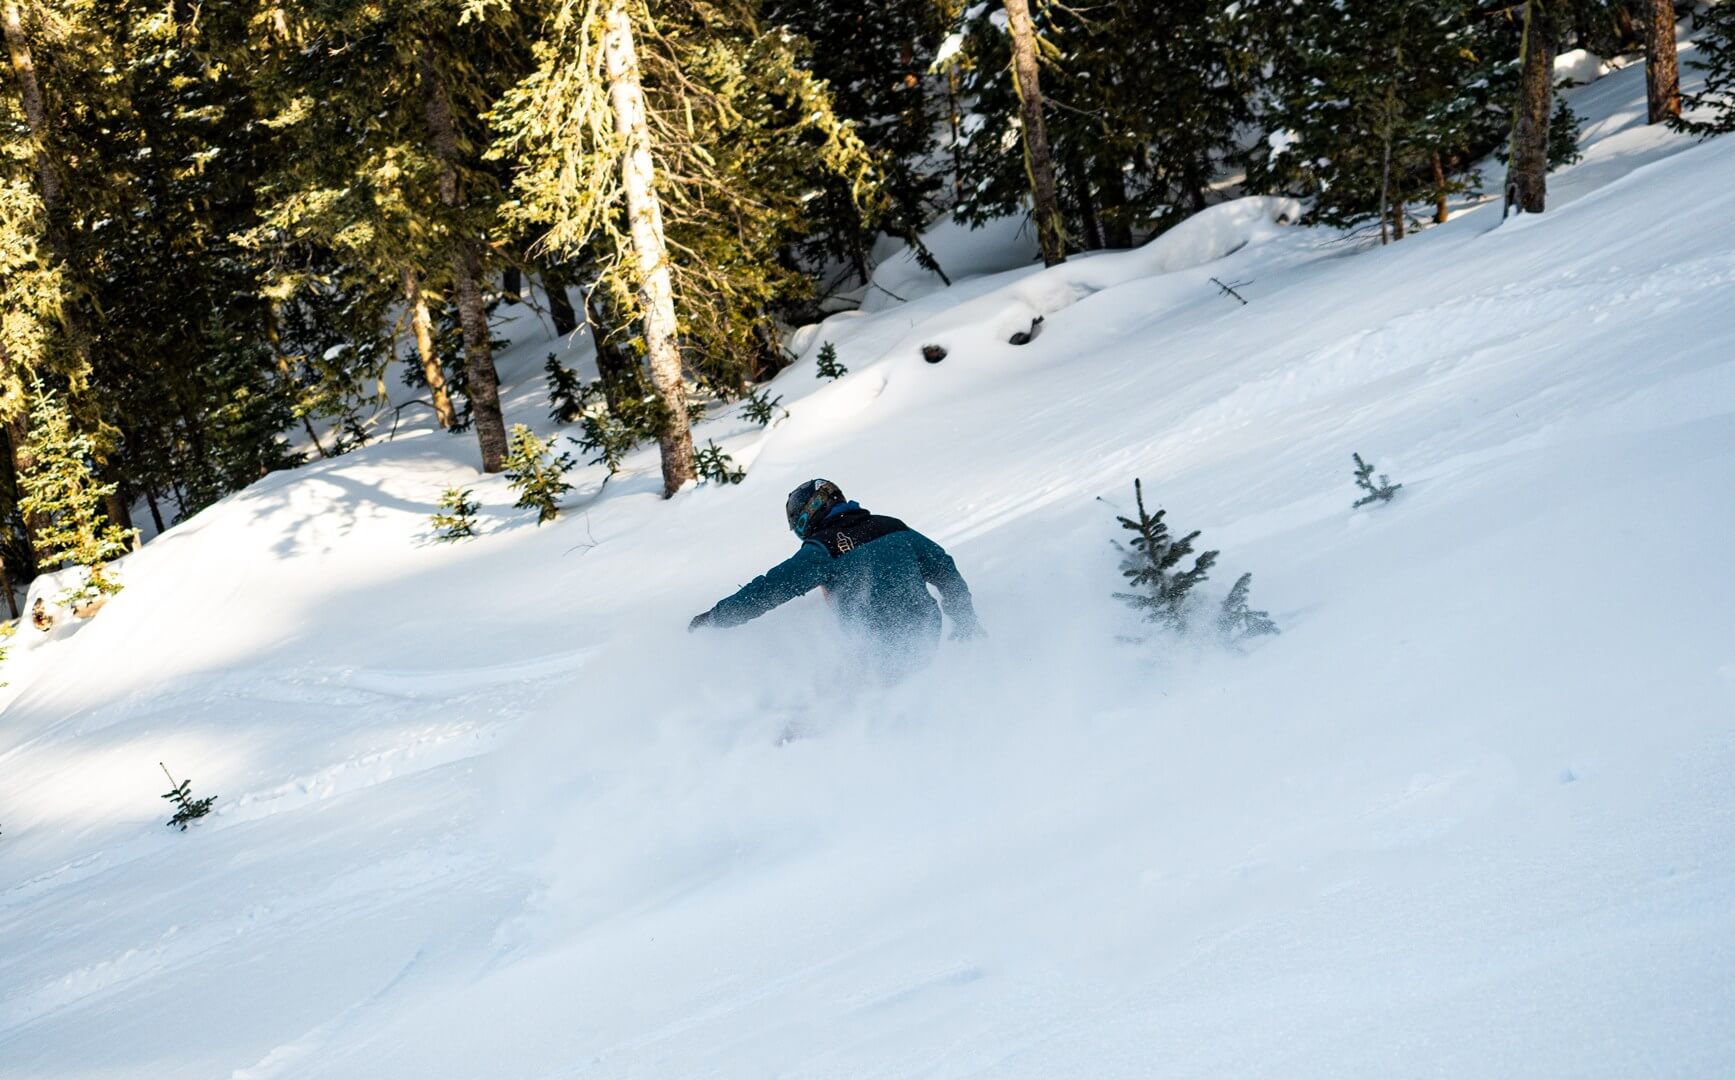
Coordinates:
486 809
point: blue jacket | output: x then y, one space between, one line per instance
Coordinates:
875 571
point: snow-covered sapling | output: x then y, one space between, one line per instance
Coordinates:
456 519
1238 622
565 391
829 368
716 466
762 408
187 808
1380 492
536 473
1151 562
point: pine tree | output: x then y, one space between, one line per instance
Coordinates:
63 494
1038 161
1151 562
536 473
1715 56
456 517
762 408
1380 492
717 467
1372 105
829 367
1237 622
565 391
741 136
187 808
1527 166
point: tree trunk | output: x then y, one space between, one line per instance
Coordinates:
1117 226
1441 211
422 325
119 513
554 285
156 511
638 180
512 284
1038 162
483 381
614 365
1086 206
1662 72
6 584
1397 218
1527 167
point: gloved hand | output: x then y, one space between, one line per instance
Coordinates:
700 621
970 631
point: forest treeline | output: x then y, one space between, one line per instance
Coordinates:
219 221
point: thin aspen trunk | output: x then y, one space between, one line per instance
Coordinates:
1662 70
156 511
1391 119
1527 166
482 379
1038 161
119 513
560 309
422 325
275 337
1087 215
955 118
638 180
1441 211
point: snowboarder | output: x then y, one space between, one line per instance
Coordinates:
875 571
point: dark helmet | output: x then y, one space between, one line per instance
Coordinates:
808 505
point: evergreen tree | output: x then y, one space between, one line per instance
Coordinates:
1146 103
877 57
1237 622
1151 564
740 134
565 391
1715 56
456 518
62 493
717 467
536 473
829 367
1372 105
762 408
1380 492
187 808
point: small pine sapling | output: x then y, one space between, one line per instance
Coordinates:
1381 492
716 466
456 519
1150 563
1236 621
565 391
187 808
762 408
829 368
536 473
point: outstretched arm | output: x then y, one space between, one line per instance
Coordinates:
802 572
941 572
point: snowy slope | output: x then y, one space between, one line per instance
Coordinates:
488 811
